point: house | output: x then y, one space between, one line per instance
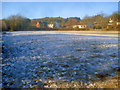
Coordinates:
41 24
110 22
37 25
118 23
53 25
79 26
56 25
50 25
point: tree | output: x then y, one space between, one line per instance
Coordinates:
3 25
18 23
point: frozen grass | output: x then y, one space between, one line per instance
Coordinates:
49 59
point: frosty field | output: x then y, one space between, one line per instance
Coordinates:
55 59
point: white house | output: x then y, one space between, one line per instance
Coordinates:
50 25
53 25
110 22
79 26
118 23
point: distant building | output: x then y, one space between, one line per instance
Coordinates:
37 25
56 25
110 22
118 23
79 26
53 25
50 25
41 24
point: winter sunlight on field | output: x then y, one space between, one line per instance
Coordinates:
57 59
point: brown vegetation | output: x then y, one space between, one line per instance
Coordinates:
97 22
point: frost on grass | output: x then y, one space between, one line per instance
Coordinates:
58 60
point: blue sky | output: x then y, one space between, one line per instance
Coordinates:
34 10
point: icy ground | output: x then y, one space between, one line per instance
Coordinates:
38 58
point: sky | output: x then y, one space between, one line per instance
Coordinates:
34 10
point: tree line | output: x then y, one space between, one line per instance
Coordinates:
20 23
16 23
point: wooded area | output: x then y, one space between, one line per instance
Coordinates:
99 22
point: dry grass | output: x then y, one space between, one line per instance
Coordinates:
111 82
